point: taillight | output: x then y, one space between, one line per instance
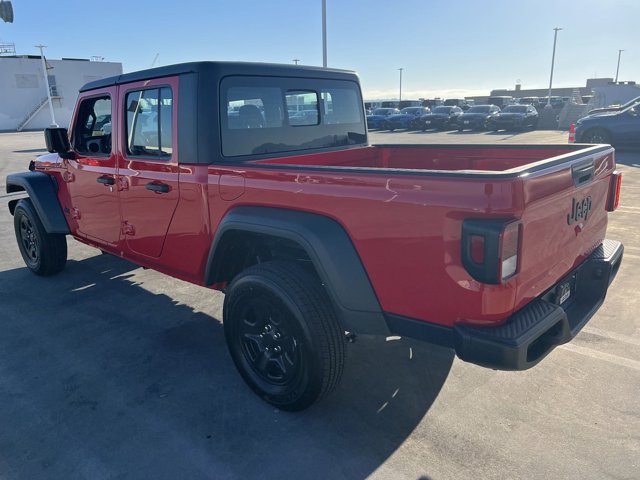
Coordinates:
614 191
490 249
509 250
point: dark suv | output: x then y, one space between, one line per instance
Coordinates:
477 117
616 128
515 117
441 118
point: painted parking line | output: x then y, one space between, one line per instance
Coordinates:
598 355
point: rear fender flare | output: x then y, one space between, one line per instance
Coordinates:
328 246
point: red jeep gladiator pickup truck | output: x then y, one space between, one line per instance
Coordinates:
258 180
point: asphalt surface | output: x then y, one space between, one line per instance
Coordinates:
111 371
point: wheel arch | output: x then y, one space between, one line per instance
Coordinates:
42 190
310 237
596 128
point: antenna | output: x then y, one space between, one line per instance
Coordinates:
155 59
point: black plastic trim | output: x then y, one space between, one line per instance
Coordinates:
489 230
42 191
329 248
532 332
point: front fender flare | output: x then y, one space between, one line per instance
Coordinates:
42 191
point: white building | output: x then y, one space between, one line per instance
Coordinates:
23 91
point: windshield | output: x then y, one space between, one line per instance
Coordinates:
479 109
515 109
631 103
410 109
453 101
442 110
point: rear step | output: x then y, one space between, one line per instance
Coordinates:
532 332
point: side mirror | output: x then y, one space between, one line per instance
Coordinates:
57 141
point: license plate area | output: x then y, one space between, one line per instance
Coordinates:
564 292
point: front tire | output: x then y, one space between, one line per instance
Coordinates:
283 334
44 253
597 135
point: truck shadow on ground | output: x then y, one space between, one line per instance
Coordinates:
629 157
102 378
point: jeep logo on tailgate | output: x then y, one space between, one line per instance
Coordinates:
579 210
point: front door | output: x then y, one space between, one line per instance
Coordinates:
148 163
91 175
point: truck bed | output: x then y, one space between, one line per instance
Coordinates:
438 158
404 205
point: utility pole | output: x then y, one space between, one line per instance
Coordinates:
618 69
296 60
400 96
324 33
46 82
553 57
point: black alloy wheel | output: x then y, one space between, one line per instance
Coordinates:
283 335
43 253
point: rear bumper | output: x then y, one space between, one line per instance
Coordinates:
532 332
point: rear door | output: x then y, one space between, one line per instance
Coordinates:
91 175
148 163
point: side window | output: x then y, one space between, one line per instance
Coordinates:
92 131
254 107
149 128
302 107
340 106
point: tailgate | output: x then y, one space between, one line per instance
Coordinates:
564 219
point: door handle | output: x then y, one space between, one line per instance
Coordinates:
157 187
106 180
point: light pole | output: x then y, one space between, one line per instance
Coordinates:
324 33
295 60
553 57
618 69
400 96
46 82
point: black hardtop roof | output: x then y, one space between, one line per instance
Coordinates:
222 69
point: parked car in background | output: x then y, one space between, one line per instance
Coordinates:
500 101
440 118
615 128
409 103
406 117
463 103
378 118
615 108
556 102
432 102
515 117
477 117
535 101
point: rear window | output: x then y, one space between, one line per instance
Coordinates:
272 115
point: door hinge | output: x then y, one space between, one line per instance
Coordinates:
127 229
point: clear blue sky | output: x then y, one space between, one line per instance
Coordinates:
447 48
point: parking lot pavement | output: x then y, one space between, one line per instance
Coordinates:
112 371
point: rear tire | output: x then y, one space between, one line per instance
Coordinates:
283 334
43 253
